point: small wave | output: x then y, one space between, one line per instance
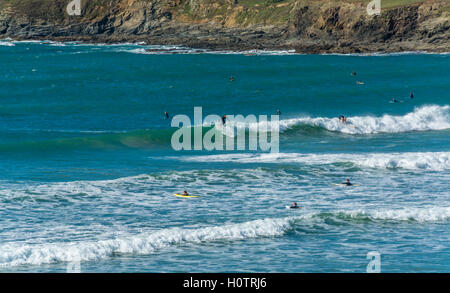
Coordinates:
158 50
422 215
14 254
6 43
162 50
145 243
384 54
430 161
97 140
255 52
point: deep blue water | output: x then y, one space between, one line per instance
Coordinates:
87 170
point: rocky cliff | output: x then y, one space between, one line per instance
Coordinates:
305 25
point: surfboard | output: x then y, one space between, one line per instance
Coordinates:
343 184
289 208
185 196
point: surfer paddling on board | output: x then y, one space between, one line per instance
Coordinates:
347 182
185 193
294 206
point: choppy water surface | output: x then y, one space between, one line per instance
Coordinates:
87 170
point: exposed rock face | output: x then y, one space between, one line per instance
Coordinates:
307 26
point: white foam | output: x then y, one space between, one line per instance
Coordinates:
428 214
425 118
432 161
161 50
383 54
152 50
145 243
16 254
254 52
6 43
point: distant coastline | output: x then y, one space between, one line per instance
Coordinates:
316 27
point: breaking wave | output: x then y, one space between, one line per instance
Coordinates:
145 243
149 242
432 161
431 214
421 119
6 43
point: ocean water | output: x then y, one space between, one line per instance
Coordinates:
87 171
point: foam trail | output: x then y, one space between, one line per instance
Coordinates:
145 243
431 161
421 119
186 50
381 54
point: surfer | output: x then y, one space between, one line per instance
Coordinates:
343 119
411 95
278 112
294 206
224 119
231 78
185 193
394 100
167 115
347 182
354 73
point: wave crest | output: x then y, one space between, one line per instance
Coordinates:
150 242
432 161
424 118
6 43
145 243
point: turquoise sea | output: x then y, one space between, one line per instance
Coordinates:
87 171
